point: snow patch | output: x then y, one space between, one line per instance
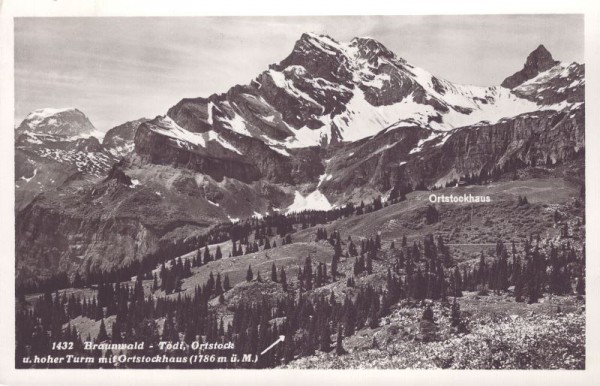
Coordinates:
35 117
173 130
280 151
30 178
324 177
314 201
421 142
214 137
287 85
238 125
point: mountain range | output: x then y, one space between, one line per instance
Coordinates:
331 123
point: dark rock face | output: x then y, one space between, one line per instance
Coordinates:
192 114
386 161
211 160
321 58
116 173
539 60
119 140
53 240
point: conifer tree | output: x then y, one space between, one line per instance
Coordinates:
325 341
339 348
102 335
283 279
226 285
207 256
307 273
218 287
455 314
334 267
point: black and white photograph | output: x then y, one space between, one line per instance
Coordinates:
392 192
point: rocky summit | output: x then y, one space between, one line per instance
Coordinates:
332 123
538 61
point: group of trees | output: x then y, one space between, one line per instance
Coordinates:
418 271
531 272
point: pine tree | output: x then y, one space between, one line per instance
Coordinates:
102 335
307 273
457 283
325 341
428 314
218 287
226 285
455 314
334 267
339 348
432 215
350 318
154 282
207 256
283 279
249 274
273 273
580 287
369 263
116 333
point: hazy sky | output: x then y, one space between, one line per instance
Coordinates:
120 69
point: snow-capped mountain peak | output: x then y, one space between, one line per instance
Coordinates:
37 116
327 91
68 122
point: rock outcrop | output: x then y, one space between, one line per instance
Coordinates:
119 140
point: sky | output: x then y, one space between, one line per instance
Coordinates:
120 69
